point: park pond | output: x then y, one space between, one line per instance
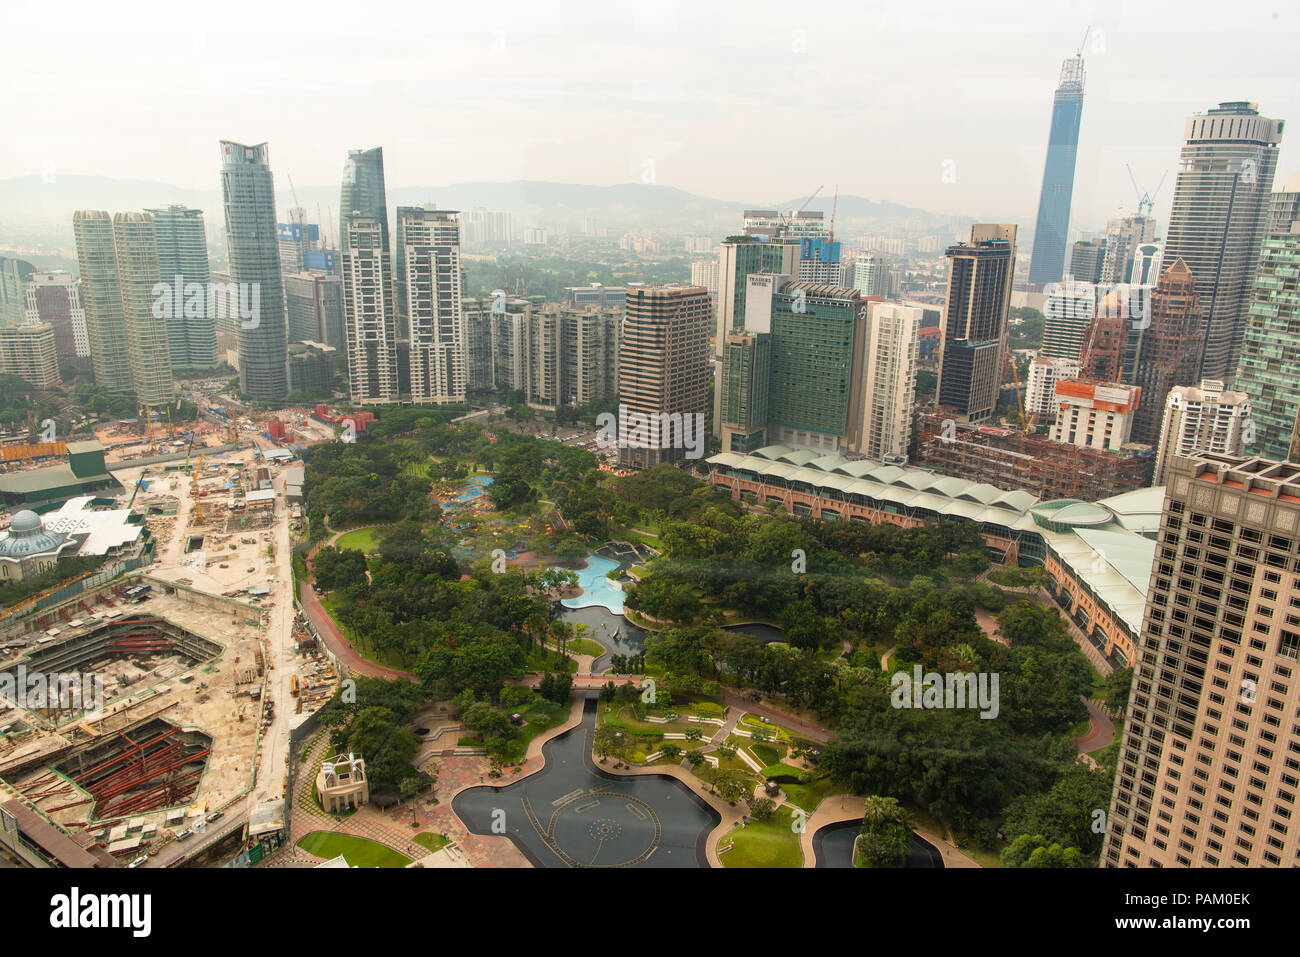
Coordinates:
833 847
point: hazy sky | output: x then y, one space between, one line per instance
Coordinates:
748 101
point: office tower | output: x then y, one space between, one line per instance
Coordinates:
1086 260
1284 206
369 314
311 368
54 297
1147 260
1068 312
818 339
1203 418
1113 344
1047 264
1094 415
29 352
1040 384
248 195
704 272
973 341
183 262
871 275
430 242
479 376
1220 216
738 259
313 304
97 262
819 261
1123 237
13 278
889 381
363 195
663 374
1208 765
1269 370
135 246
1171 348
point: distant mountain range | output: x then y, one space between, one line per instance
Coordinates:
30 206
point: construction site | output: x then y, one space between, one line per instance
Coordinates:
1010 459
202 665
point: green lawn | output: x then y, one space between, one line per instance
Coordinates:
585 646
361 539
430 841
542 659
357 851
808 796
765 753
773 843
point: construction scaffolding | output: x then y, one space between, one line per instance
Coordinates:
159 772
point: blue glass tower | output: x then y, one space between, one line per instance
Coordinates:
1047 263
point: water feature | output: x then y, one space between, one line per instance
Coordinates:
766 634
597 589
574 814
833 847
616 633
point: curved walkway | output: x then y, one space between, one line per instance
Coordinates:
1101 731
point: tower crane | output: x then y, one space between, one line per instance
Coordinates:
1146 201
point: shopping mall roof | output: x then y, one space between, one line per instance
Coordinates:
1109 545
105 529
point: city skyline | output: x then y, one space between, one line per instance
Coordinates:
674 109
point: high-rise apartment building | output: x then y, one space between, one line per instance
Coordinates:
1269 369
369 314
479 374
1284 206
1040 384
663 374
1210 756
135 246
183 262
313 304
1067 314
429 240
28 352
1094 415
102 300
871 275
1086 259
54 297
889 382
363 195
704 272
1201 418
1221 207
1047 264
1123 237
13 279
973 340
1171 348
248 197
819 261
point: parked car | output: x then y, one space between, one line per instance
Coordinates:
216 816
138 861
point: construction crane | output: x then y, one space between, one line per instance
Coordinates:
1086 34
787 220
138 483
834 208
197 518
1146 201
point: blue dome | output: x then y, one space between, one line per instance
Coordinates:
28 537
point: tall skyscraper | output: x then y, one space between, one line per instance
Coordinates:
1047 264
1269 370
871 275
479 373
1171 348
1086 260
135 245
663 371
1123 237
13 278
1068 312
889 381
1208 767
248 195
313 303
429 240
54 297
1221 207
183 260
363 193
973 340
100 297
369 313
1201 418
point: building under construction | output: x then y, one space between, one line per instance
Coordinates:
1010 459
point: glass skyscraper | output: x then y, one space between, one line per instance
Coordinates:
183 260
1269 371
248 195
1047 263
